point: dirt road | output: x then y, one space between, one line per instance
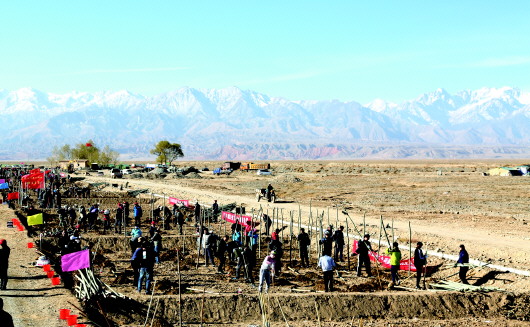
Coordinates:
30 298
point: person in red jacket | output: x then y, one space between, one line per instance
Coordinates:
275 235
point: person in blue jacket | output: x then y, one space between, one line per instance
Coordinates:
463 258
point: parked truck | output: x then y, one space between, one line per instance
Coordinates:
231 165
254 166
220 170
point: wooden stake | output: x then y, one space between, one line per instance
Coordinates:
393 239
282 223
348 246
281 310
364 224
337 217
318 314
202 304
105 315
260 213
150 302
154 313
410 248
299 217
386 235
328 219
180 286
291 239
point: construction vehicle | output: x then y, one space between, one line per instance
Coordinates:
231 165
254 166
220 170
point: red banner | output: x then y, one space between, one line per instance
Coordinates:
33 181
245 221
12 196
384 260
34 171
185 203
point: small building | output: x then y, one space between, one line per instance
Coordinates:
74 164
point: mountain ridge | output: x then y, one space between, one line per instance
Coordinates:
244 124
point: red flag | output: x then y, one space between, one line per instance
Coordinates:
33 181
12 196
88 144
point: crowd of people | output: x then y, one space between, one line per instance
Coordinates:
240 248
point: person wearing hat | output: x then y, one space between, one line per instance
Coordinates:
363 248
136 233
152 228
106 220
125 205
5 251
93 216
266 271
253 238
277 247
420 260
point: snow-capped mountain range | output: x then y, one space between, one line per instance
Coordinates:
235 124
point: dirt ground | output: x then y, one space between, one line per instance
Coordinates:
30 298
487 213
447 204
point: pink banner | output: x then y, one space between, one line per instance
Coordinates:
384 260
185 203
245 221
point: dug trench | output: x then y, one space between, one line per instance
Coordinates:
341 307
213 298
366 300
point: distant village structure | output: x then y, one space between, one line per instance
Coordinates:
71 165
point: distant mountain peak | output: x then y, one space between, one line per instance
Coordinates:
254 125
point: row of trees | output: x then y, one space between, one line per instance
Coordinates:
165 151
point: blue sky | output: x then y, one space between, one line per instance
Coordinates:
346 50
